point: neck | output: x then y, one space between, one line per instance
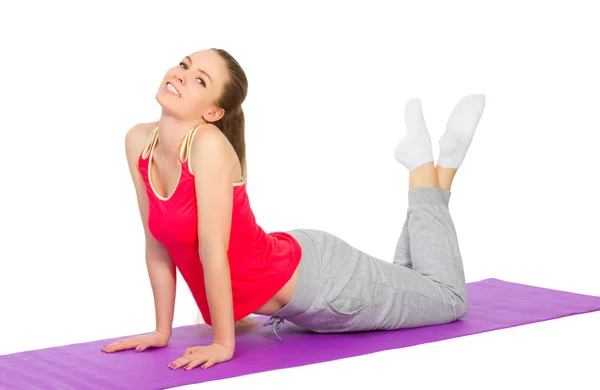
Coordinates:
171 132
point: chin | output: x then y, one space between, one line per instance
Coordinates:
164 101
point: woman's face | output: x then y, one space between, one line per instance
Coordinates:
197 82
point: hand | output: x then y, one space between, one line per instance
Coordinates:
206 355
140 343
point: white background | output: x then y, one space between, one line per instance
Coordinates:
328 82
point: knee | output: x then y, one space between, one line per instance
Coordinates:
462 307
461 310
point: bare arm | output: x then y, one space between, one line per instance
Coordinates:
212 165
158 261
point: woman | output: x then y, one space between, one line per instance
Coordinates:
189 173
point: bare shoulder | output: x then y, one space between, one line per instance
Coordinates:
136 138
210 144
209 139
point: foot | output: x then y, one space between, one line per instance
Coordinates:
415 148
460 129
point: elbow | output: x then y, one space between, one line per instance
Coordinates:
212 255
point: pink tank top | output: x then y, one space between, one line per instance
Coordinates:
260 263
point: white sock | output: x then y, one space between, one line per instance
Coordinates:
460 129
415 148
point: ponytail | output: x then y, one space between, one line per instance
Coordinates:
233 125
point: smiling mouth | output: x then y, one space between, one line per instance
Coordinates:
171 88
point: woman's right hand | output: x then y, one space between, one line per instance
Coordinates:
140 343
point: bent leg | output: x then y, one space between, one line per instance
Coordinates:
434 248
353 291
402 253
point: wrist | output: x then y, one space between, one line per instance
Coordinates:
229 345
164 332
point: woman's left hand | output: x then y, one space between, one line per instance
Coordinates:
208 356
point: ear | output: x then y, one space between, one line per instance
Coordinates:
214 114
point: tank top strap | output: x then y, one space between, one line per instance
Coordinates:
150 143
186 146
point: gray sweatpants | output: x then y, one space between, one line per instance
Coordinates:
341 289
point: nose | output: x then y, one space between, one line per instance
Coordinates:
180 78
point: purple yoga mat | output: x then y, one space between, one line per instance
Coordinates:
494 304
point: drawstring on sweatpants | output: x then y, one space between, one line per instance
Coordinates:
276 322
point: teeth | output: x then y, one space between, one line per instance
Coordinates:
172 88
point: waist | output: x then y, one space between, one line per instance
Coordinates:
274 257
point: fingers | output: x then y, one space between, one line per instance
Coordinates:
134 342
209 363
194 363
190 361
119 346
142 347
187 360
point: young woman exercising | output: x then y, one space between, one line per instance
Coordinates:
189 172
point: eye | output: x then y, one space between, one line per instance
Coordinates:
184 66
